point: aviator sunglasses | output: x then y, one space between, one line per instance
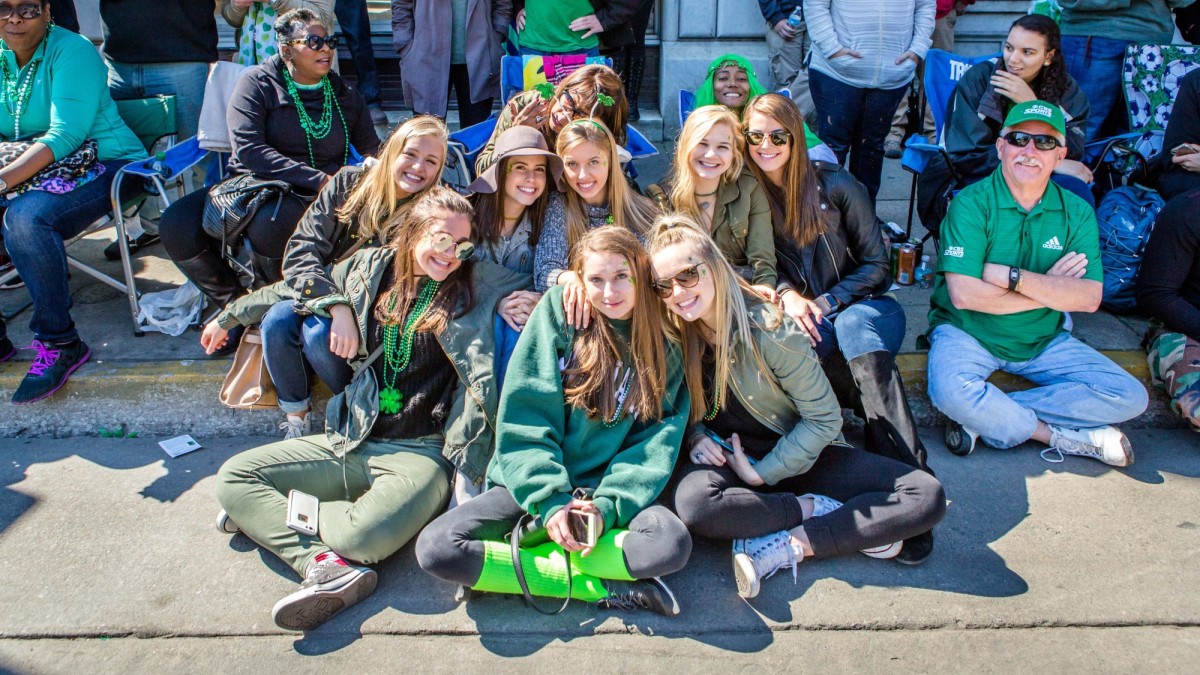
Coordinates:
687 277
442 242
313 42
1040 141
778 138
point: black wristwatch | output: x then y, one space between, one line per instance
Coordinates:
828 303
1014 278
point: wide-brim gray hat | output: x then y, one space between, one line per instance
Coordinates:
518 141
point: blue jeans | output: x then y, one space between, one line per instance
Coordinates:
1096 63
506 342
355 22
1077 387
35 226
294 345
855 122
872 325
184 79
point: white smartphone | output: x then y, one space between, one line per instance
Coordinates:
583 527
302 512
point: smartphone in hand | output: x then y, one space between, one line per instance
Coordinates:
583 527
1184 149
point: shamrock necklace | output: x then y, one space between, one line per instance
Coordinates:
397 348
322 127
17 87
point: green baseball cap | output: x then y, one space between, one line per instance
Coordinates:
1037 111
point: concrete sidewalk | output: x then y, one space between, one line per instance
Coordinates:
115 566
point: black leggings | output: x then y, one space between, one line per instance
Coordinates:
451 547
184 238
884 501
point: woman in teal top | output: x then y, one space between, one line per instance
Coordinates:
590 422
55 94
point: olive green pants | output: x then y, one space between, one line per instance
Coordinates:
372 502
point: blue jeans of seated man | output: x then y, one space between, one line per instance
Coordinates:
871 325
185 79
506 342
295 345
1096 64
35 226
1076 187
1077 387
855 122
355 23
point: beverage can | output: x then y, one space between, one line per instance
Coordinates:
906 263
895 257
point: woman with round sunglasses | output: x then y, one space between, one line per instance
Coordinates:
580 95
352 211
834 281
415 423
254 23
766 463
710 183
590 425
1031 67
290 119
596 195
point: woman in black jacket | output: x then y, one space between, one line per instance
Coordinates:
273 139
834 278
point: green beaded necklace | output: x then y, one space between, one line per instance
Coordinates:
397 348
716 408
622 394
322 127
16 87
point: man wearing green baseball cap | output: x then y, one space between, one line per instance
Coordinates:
1016 252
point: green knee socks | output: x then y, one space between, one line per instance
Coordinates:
546 569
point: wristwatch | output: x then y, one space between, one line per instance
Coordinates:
1014 278
828 303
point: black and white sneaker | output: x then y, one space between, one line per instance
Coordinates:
652 594
7 349
328 588
6 267
113 250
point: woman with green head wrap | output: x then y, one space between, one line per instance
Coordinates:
731 82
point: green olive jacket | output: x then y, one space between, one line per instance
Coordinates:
468 341
792 398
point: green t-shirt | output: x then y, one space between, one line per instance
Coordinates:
986 225
547 26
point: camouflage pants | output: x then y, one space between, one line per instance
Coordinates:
1174 362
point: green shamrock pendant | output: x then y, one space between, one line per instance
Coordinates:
389 401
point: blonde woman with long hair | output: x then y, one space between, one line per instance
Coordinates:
766 463
710 183
597 195
590 422
355 209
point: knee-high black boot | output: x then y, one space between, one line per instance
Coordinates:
891 430
266 270
212 276
632 75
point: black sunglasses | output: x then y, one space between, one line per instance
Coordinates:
314 42
778 138
687 277
1040 141
23 11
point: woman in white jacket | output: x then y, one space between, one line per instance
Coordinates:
864 54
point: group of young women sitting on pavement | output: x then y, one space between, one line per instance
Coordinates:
558 350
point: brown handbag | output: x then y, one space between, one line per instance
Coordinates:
248 385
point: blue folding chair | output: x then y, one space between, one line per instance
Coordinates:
687 103
943 70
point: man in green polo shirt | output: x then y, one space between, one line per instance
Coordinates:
1017 251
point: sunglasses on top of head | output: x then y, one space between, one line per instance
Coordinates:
442 242
26 11
315 42
778 138
687 277
1040 141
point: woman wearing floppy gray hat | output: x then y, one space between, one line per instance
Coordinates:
510 203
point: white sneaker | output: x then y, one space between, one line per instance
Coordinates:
757 558
295 426
225 524
1107 444
823 505
327 589
959 439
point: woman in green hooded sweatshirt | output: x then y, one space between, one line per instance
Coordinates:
731 82
591 420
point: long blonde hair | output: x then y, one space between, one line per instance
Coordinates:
698 124
588 381
629 209
732 302
373 199
457 293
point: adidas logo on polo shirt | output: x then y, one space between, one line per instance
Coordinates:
1053 244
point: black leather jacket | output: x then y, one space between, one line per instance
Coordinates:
849 260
